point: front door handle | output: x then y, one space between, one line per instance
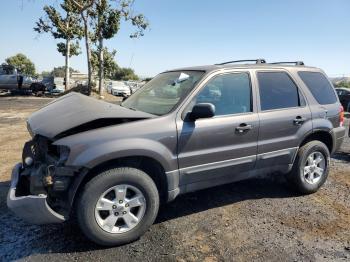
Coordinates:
299 120
243 128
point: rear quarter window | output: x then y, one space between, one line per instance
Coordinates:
319 86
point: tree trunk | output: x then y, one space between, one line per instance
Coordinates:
88 51
67 74
100 55
101 69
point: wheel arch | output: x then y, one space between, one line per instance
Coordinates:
149 165
319 135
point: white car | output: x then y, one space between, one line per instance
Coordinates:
117 88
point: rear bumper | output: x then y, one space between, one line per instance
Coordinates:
338 135
33 209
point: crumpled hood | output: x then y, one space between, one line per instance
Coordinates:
78 112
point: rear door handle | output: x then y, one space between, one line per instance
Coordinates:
299 120
243 128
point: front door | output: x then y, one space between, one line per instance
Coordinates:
220 149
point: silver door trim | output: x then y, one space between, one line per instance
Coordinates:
241 160
286 151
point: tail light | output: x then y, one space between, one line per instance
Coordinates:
341 116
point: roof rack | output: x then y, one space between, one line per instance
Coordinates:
257 61
298 63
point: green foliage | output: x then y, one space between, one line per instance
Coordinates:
342 84
46 73
101 19
108 20
125 74
109 64
139 21
74 49
111 69
61 71
60 27
23 63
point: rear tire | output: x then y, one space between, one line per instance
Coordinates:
311 167
103 189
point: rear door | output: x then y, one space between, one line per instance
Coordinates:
223 148
284 119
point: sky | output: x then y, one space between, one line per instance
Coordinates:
198 32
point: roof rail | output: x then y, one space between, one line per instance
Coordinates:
257 61
298 63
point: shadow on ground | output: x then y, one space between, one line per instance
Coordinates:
20 240
342 156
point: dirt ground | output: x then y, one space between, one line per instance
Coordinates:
255 220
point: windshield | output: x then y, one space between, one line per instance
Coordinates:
160 95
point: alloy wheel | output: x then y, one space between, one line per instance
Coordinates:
120 209
314 167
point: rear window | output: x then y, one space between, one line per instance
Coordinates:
319 86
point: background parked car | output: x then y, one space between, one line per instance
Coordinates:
344 97
54 85
118 88
12 80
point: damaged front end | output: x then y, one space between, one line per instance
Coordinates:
43 186
39 185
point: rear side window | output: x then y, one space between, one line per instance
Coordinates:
277 90
319 86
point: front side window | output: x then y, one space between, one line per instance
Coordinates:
229 93
277 91
161 95
319 86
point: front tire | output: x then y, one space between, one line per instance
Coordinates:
311 167
117 206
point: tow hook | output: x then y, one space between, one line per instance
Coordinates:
48 180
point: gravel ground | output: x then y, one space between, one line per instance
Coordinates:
258 219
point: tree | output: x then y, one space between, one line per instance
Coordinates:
84 9
46 74
108 22
61 71
109 64
104 20
23 63
125 74
342 84
60 27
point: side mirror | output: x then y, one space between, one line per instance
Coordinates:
202 110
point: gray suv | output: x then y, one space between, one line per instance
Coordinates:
185 130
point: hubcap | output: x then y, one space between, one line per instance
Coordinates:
314 167
120 208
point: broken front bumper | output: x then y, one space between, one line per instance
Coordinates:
33 209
